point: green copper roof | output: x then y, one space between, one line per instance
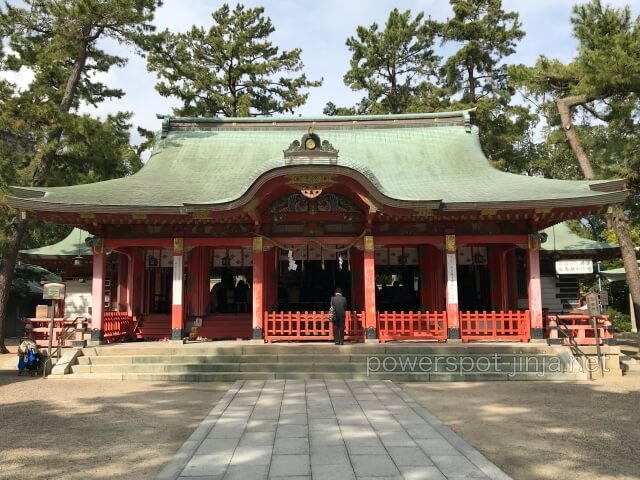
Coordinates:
561 238
421 159
616 274
71 246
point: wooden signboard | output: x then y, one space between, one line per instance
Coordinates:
593 304
53 291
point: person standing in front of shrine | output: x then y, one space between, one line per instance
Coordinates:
339 304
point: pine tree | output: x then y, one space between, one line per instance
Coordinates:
232 69
601 84
391 65
59 42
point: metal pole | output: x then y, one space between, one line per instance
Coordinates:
599 277
594 322
53 317
632 313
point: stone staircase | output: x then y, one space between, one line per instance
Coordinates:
630 359
404 362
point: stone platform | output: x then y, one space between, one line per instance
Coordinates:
320 430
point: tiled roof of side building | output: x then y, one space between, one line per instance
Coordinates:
560 238
404 159
70 246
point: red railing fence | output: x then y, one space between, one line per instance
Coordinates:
495 326
412 326
37 329
117 326
300 326
577 329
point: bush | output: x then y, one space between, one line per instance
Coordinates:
621 322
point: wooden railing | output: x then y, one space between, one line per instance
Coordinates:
577 329
37 329
412 326
310 326
495 326
117 326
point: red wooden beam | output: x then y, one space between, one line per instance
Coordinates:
117 243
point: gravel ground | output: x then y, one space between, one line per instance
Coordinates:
536 430
75 429
78 429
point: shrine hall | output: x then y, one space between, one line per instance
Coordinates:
242 228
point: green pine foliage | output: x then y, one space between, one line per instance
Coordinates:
232 69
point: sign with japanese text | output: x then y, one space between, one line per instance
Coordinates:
574 267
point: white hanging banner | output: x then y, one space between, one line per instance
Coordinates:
177 280
574 267
452 279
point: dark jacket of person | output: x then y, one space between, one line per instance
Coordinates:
339 303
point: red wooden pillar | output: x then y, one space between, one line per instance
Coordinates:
503 273
430 263
451 292
371 320
534 288
198 267
121 293
177 303
436 274
258 288
134 282
270 281
512 275
426 288
356 264
97 291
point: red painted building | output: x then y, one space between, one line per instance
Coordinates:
249 224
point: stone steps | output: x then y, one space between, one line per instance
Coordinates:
403 362
423 377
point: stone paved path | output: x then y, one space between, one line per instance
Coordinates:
316 429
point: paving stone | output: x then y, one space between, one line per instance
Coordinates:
421 473
289 446
367 447
408 456
295 477
208 464
373 465
217 445
229 431
262 425
356 432
257 438
293 419
396 439
335 429
288 465
333 472
329 455
252 455
325 438
247 472
288 431
437 447
424 431
456 465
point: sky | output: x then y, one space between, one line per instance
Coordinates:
320 28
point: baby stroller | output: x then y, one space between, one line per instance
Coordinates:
29 358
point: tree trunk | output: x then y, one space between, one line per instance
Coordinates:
617 221
564 106
15 232
621 227
18 226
